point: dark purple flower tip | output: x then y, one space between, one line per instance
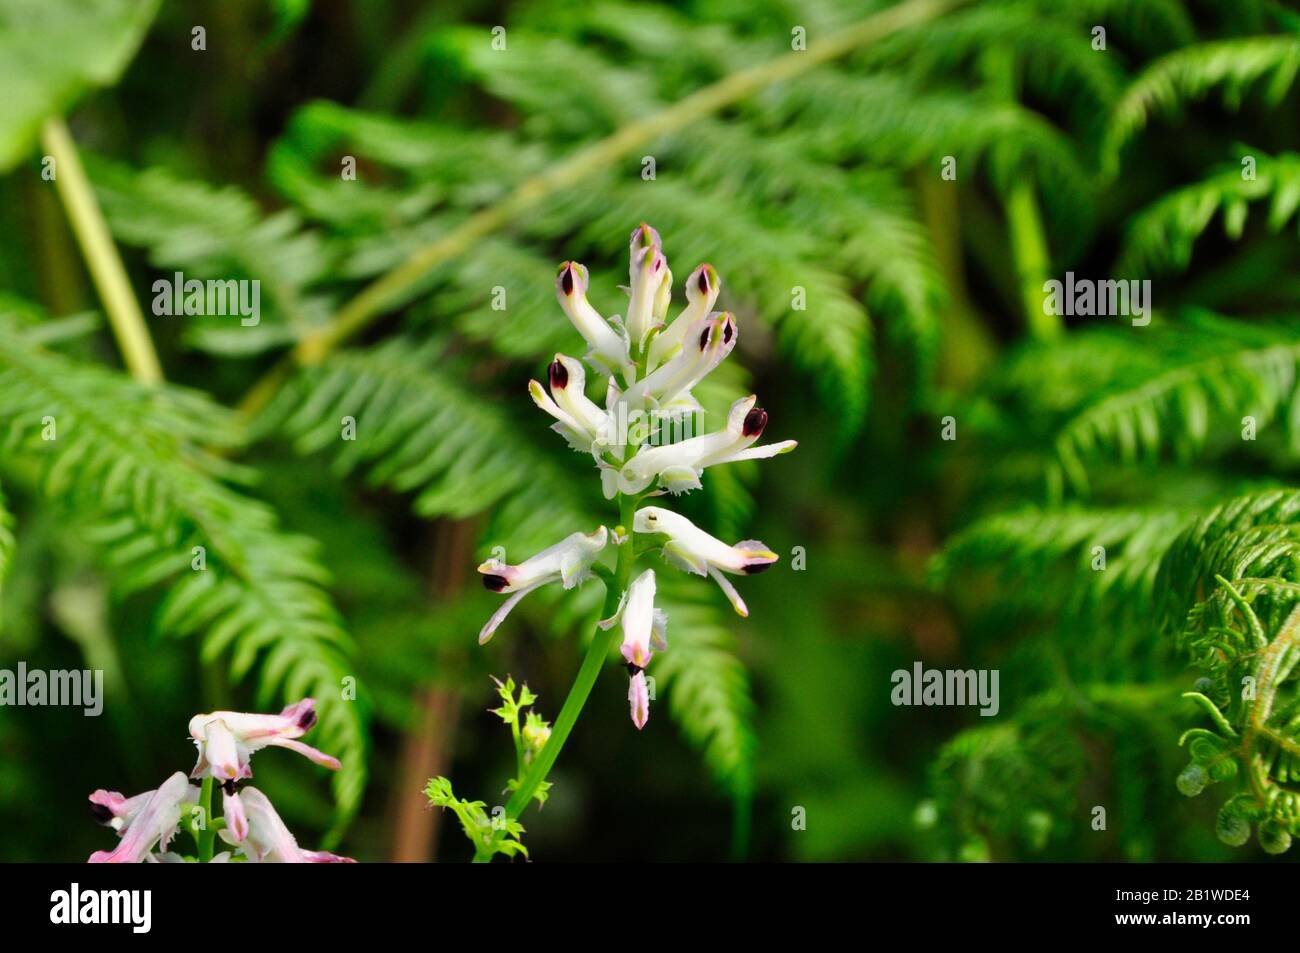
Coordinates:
495 583
101 814
728 329
704 338
703 281
633 669
753 569
755 421
307 719
566 277
559 376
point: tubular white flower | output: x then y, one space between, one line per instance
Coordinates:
608 347
643 624
678 466
702 289
579 420
153 822
227 739
693 550
651 283
707 342
268 840
568 561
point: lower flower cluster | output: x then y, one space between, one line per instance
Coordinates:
147 823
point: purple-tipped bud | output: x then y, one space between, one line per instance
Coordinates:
559 376
643 236
571 279
495 583
755 421
702 282
753 569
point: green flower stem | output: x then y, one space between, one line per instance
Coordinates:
208 835
597 653
101 255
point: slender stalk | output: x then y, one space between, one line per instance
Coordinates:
101 254
1029 250
208 835
370 303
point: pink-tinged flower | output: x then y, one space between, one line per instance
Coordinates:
112 809
227 739
152 823
706 343
269 841
568 562
579 420
232 809
638 697
702 289
607 341
652 283
643 624
677 466
693 550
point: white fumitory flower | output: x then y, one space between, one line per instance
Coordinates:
692 549
651 285
142 822
707 342
227 739
578 419
677 466
607 341
568 561
702 289
269 841
644 631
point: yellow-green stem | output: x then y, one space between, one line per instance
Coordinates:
101 255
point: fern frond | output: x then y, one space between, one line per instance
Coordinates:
420 430
1192 73
1023 548
221 234
1163 234
706 685
1253 536
130 458
1178 410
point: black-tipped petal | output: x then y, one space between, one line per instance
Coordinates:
753 569
101 814
755 421
559 376
495 583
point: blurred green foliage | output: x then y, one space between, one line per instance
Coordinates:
332 558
